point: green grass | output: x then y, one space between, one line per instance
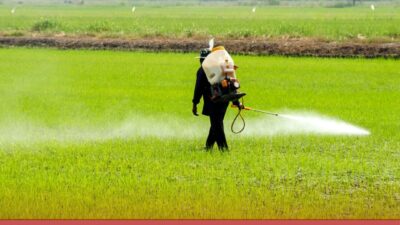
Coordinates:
205 21
47 94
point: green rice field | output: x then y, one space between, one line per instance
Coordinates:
335 24
108 134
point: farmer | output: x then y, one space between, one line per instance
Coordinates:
216 111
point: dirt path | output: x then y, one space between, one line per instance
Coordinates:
288 47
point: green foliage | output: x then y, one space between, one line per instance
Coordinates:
45 25
340 5
60 109
99 27
273 2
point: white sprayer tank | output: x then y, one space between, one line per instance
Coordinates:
217 65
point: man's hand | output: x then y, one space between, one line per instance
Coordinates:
194 110
238 104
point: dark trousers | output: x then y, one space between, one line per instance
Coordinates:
217 134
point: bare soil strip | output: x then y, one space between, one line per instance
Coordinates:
287 47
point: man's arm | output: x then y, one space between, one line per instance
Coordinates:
197 89
197 93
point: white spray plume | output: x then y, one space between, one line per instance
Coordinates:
139 126
136 126
211 44
254 9
133 9
301 123
13 10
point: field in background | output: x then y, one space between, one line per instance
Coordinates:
325 3
337 24
83 135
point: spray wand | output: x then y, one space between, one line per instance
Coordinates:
240 115
259 111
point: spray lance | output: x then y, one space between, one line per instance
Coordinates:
261 111
241 117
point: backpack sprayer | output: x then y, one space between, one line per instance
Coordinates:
220 70
221 74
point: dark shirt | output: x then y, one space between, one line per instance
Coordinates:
203 89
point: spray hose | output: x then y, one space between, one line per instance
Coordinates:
234 121
244 122
239 114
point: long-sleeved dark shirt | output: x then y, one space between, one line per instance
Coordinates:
203 89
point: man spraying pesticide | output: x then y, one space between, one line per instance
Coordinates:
216 82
